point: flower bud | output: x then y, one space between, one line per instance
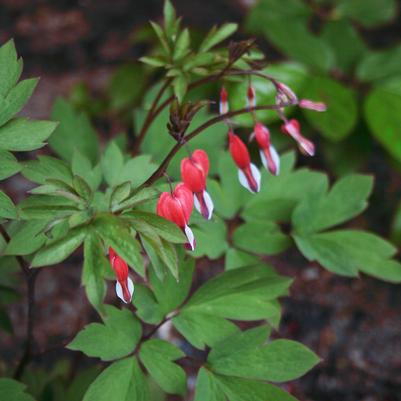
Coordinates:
124 284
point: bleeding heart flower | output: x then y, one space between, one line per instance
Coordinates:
194 170
124 285
251 96
293 129
177 207
311 105
223 101
248 173
285 93
268 153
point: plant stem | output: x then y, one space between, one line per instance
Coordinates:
30 277
164 164
150 117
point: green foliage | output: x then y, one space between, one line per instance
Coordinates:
157 356
11 390
114 339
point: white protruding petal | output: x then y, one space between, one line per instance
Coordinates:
251 137
197 204
130 287
256 174
263 158
276 158
243 181
209 204
190 236
119 291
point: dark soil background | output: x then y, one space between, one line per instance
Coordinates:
354 325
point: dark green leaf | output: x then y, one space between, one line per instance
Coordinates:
368 13
341 115
382 113
11 390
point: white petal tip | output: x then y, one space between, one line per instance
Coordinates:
190 245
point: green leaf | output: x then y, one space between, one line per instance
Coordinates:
21 134
7 208
120 193
346 43
45 168
202 329
247 293
346 199
180 85
81 166
181 47
116 234
74 132
164 228
217 35
137 170
161 36
380 64
8 165
114 339
123 381
368 13
10 67
58 250
279 195
244 355
382 114
264 237
94 268
235 259
341 115
27 239
125 77
294 39
157 355
169 292
112 163
169 17
345 252
237 389
11 390
82 188
16 99
148 309
207 388
153 61
210 238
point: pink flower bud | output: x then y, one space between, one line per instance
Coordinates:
293 129
124 285
285 92
248 173
268 153
223 101
251 96
311 105
177 207
194 171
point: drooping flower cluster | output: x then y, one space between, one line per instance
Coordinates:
124 284
177 204
248 173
